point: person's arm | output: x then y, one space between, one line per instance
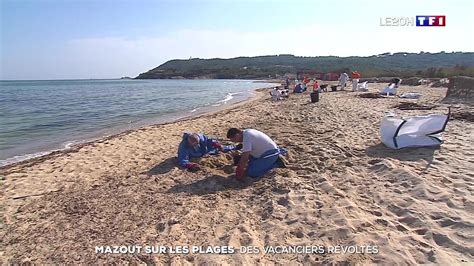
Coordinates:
183 158
240 171
213 144
183 155
217 145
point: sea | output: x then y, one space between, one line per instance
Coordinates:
39 117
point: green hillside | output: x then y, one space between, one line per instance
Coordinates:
399 64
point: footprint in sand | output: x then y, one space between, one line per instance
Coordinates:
382 222
283 201
165 227
421 231
243 236
396 210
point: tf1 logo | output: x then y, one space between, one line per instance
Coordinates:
430 21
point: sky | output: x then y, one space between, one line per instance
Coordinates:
87 39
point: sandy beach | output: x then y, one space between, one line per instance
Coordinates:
341 187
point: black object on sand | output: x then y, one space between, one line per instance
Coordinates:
315 96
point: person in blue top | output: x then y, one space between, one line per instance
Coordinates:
194 145
299 88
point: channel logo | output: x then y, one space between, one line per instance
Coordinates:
430 21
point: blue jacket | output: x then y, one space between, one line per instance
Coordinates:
185 152
298 89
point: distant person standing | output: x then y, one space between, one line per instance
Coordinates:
315 85
355 80
306 80
287 83
343 79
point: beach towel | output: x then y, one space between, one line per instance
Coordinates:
257 167
416 131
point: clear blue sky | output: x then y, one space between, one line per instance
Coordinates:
52 39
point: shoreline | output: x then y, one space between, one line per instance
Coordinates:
257 94
341 186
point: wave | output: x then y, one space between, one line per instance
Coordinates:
228 97
15 159
20 158
71 144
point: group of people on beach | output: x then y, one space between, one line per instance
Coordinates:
301 86
344 79
254 155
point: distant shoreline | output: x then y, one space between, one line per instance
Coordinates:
31 80
42 156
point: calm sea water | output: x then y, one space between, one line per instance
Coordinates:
37 117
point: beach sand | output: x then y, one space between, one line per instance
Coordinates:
341 187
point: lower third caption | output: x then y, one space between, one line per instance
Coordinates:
336 249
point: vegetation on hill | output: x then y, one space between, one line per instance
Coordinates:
275 66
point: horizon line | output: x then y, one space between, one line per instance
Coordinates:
229 58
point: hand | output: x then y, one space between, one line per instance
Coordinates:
192 167
239 174
217 145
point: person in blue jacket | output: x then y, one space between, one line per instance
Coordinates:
194 145
299 88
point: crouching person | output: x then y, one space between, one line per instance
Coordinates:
196 145
259 155
396 82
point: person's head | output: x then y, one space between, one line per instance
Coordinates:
235 135
193 140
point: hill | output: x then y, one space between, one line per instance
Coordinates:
387 64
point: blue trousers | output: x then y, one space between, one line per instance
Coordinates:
257 167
